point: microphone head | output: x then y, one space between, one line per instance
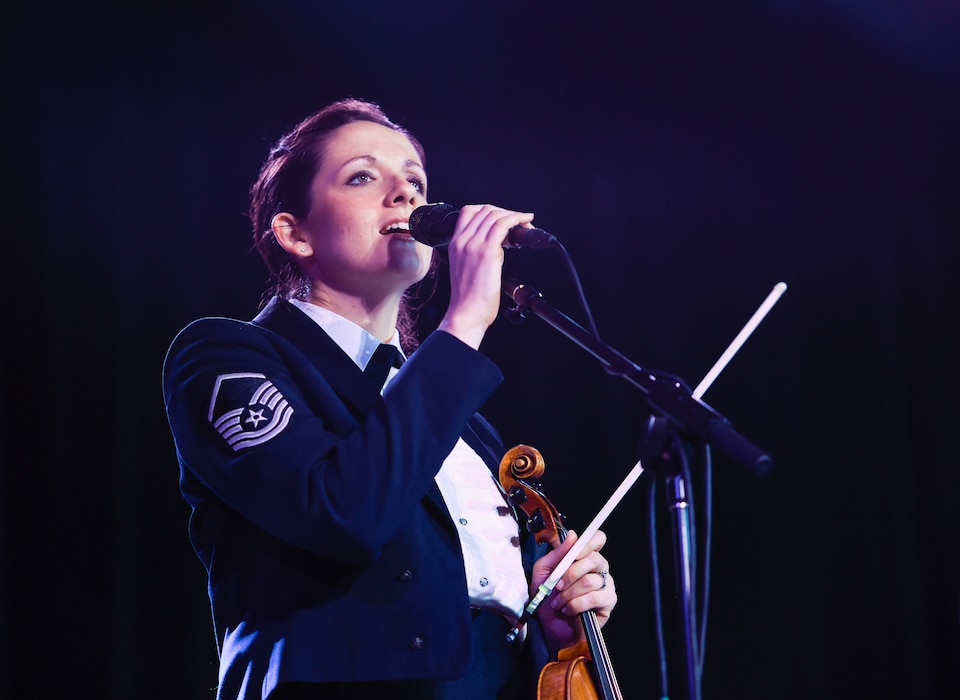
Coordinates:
433 224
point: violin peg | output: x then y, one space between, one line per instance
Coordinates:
535 523
517 496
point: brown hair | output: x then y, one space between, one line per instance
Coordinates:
284 186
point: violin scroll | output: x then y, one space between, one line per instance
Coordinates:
519 466
524 462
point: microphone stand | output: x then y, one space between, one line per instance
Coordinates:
683 417
665 393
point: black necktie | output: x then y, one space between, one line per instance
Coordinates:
383 358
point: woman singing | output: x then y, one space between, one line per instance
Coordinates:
356 541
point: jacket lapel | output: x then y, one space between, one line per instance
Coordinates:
339 370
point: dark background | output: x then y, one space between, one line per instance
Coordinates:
689 155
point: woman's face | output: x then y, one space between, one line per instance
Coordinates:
370 180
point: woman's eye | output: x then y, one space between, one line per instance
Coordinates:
360 178
418 184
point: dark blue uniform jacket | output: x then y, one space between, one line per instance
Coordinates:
330 552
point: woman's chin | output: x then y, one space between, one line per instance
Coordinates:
411 260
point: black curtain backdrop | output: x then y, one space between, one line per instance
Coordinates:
689 155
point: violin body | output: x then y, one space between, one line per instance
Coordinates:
569 677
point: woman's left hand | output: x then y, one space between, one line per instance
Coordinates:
586 585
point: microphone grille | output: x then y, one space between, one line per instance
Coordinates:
416 216
425 220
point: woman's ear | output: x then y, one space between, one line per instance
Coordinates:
286 229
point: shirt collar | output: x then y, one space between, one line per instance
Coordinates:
354 340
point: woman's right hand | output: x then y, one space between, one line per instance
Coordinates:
476 261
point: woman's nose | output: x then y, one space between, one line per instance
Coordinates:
404 191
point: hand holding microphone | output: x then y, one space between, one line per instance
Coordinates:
476 236
434 224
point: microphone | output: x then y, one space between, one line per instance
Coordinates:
433 225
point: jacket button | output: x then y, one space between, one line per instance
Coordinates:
416 643
405 575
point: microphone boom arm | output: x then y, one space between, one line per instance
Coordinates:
666 394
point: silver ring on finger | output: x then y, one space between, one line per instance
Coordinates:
603 575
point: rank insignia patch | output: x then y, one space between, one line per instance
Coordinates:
247 409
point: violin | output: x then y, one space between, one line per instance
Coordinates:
582 671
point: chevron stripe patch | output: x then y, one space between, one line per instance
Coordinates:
248 410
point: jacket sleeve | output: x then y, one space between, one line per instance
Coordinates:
257 426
